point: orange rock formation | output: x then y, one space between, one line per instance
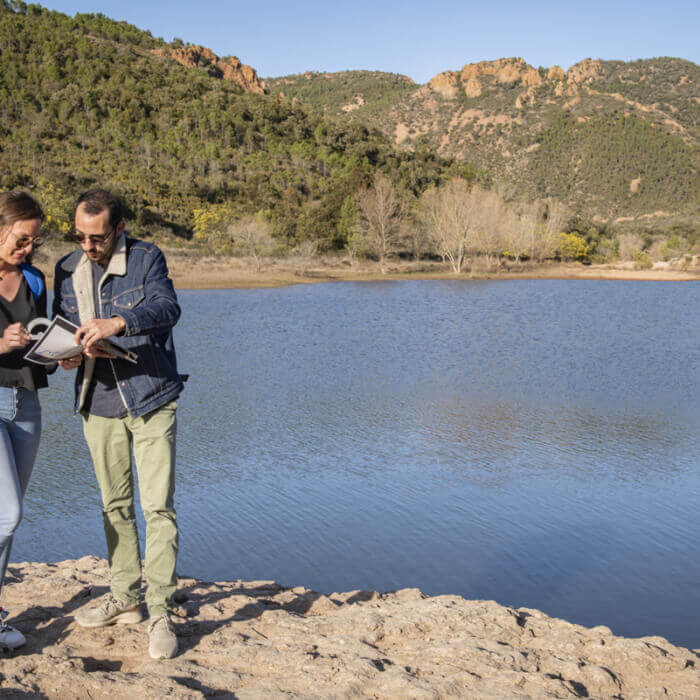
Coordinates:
228 68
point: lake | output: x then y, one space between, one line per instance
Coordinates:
531 442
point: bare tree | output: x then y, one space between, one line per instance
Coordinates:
513 235
379 216
252 237
416 238
534 232
454 216
523 231
555 219
490 221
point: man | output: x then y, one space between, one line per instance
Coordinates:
119 286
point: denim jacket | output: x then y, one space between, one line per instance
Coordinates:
136 287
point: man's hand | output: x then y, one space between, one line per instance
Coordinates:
90 333
15 336
71 362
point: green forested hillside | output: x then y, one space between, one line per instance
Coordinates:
86 101
336 93
606 154
607 137
83 101
670 84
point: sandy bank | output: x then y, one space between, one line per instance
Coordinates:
211 273
257 639
190 269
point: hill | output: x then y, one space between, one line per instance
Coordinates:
608 137
196 141
181 132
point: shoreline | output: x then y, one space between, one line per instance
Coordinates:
238 274
252 639
190 269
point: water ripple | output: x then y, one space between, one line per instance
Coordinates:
531 442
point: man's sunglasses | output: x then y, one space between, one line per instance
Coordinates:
93 240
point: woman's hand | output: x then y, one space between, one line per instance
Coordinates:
71 362
15 336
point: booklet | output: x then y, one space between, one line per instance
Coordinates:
57 342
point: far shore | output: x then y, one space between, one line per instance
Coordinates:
190 269
237 273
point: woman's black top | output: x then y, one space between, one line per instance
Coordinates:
15 371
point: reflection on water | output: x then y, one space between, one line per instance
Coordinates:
503 441
533 442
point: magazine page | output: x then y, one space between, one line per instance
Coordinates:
57 342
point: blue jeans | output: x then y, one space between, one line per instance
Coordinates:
20 430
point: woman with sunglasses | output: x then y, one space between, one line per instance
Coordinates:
22 298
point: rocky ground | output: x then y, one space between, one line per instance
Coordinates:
257 639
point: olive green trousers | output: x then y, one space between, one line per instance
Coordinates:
152 439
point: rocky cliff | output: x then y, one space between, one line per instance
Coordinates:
505 71
258 639
514 72
227 68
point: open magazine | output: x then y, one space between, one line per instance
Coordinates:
57 342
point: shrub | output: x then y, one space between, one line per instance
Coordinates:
606 250
674 247
573 247
642 261
630 245
212 227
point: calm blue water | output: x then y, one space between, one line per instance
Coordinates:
532 442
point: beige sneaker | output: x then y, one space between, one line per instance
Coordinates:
109 611
162 639
10 638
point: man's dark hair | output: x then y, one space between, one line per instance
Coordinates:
97 200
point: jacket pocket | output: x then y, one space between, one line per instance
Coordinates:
129 299
69 304
69 308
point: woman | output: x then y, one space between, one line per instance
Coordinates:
22 298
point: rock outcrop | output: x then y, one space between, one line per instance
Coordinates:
244 75
257 639
585 71
556 73
472 88
506 72
512 72
227 68
445 84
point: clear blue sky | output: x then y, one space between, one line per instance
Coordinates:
418 39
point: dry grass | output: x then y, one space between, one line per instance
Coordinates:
240 273
193 269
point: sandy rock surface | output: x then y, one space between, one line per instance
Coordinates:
257 639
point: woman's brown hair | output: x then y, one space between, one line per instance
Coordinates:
18 206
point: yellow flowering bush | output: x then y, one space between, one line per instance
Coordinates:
572 247
58 208
212 226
